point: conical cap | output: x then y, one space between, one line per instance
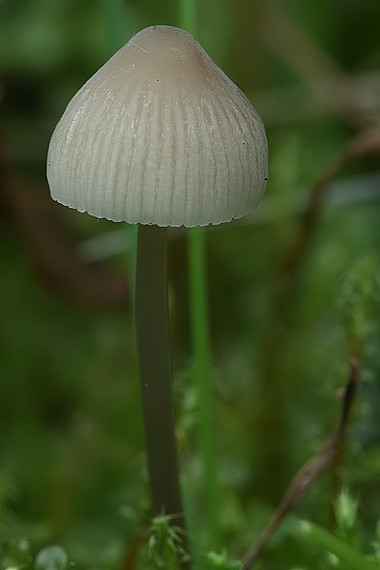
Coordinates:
159 135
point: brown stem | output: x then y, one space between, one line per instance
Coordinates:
269 426
310 471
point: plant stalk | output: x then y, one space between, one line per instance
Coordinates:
202 376
199 324
154 356
188 15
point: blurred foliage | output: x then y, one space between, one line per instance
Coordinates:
72 469
163 545
341 549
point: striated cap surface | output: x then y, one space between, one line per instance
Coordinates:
159 135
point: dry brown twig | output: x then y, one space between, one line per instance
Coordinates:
365 143
268 425
311 470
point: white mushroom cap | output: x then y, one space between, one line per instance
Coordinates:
159 135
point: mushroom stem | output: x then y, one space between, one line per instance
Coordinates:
153 344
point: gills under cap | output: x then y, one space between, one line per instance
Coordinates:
159 135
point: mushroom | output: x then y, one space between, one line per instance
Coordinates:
159 137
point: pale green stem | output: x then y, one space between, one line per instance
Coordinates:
154 355
155 368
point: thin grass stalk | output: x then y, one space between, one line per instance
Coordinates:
188 15
199 324
202 375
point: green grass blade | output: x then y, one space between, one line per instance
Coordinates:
352 559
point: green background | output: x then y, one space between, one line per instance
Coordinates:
72 464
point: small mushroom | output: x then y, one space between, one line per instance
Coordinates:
159 136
